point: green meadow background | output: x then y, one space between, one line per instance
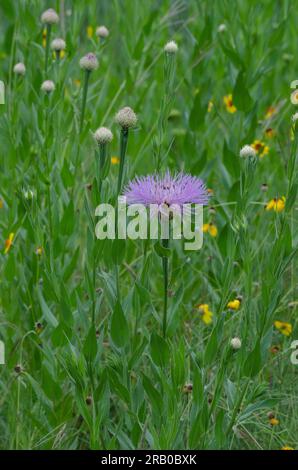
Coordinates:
116 383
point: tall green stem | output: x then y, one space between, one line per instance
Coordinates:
123 147
165 266
84 99
48 39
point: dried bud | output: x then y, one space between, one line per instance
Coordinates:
18 369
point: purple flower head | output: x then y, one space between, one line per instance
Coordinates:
177 189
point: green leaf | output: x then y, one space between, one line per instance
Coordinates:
90 345
153 394
253 363
159 350
241 97
47 314
119 327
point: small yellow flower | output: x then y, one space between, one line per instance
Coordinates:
228 101
44 38
283 327
270 112
1 204
77 82
206 314
273 421
115 160
234 304
8 243
260 147
276 205
210 228
210 106
269 133
90 31
287 448
61 54
39 251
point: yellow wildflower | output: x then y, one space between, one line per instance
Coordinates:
210 228
270 112
260 147
115 160
206 314
8 243
61 54
273 421
283 327
39 251
44 38
90 31
287 448
77 82
210 106
276 205
234 304
228 101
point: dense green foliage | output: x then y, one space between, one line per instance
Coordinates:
87 365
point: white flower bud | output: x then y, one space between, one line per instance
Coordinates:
48 86
295 117
49 17
126 118
103 135
247 151
89 62
236 343
58 45
19 69
171 47
102 32
221 28
294 97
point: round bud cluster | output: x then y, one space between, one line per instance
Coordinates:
19 69
58 45
247 151
171 47
126 118
236 343
48 86
50 17
102 32
89 62
103 135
